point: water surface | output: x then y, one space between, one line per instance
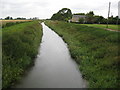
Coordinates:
54 67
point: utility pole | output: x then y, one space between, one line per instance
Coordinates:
108 14
118 15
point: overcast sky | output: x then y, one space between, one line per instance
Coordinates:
46 8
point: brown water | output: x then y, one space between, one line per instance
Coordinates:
54 67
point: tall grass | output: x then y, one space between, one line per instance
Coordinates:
96 51
10 24
13 21
113 27
20 46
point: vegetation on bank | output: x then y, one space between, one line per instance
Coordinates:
11 22
95 50
114 27
20 44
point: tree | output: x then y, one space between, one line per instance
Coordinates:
90 17
11 18
19 18
98 19
117 20
8 18
64 14
81 21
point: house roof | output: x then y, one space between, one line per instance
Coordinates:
79 16
75 18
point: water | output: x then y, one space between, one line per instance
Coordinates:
54 67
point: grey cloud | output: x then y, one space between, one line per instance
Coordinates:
45 8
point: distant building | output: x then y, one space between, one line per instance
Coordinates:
119 9
35 18
76 18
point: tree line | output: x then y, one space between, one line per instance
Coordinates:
65 14
19 18
91 18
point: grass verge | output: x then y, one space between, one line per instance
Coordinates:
95 50
113 27
13 21
20 44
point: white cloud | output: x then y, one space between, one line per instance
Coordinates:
46 8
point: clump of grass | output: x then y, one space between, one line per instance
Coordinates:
96 51
20 44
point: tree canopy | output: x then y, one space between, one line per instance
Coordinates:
90 17
64 14
8 17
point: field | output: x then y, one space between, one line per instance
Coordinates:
7 21
113 27
20 44
95 50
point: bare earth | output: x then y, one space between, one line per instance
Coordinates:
112 30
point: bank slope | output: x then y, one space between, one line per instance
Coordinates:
20 44
95 50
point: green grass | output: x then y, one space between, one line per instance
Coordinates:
95 50
10 24
114 27
0 58
20 44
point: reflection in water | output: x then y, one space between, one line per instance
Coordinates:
54 67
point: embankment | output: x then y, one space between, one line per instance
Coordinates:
95 50
20 44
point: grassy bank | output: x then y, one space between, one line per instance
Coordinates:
20 44
95 50
114 27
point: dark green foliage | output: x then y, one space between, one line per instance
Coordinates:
8 18
90 17
96 51
98 19
19 48
81 21
64 14
114 20
10 24
19 18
